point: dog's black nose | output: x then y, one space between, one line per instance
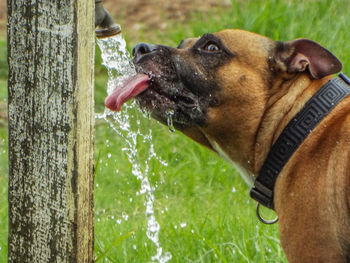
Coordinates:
143 48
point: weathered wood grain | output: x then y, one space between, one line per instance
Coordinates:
50 87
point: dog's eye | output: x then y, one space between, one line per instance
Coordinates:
211 47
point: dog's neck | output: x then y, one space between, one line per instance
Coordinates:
286 99
243 170
248 149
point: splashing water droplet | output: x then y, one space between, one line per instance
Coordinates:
127 125
125 216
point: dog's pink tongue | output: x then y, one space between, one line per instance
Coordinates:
126 91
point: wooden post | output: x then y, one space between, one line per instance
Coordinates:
51 118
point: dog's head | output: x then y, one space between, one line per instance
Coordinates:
219 83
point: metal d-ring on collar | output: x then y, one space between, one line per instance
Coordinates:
267 222
314 111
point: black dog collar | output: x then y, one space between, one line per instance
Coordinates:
318 107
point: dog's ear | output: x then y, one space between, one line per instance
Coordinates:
305 55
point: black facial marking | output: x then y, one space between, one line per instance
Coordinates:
209 39
183 81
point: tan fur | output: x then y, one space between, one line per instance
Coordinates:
312 193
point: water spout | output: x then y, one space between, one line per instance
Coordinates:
104 22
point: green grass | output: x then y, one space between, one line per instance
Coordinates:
196 188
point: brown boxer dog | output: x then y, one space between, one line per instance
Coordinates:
234 92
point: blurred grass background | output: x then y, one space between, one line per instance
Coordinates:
201 203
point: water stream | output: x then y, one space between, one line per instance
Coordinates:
116 59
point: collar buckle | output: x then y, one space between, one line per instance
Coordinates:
262 194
